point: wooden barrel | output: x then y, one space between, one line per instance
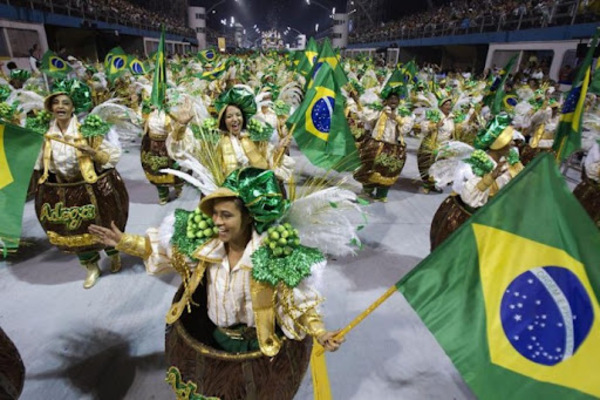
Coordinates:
588 194
528 154
154 157
66 210
190 347
12 370
450 215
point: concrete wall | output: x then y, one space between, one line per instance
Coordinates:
339 32
10 29
197 21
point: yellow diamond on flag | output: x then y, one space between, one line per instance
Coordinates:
541 311
6 177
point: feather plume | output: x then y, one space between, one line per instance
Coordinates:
323 220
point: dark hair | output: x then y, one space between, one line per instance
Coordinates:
11 65
222 125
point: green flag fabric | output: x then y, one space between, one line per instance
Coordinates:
327 55
159 84
567 138
54 66
514 306
320 127
208 55
395 85
19 149
498 99
595 84
136 66
308 59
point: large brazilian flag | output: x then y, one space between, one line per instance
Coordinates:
512 296
320 126
19 149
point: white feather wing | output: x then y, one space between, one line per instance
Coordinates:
123 119
324 220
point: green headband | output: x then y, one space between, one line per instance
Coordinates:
496 128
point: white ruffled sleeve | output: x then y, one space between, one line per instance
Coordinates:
160 259
112 147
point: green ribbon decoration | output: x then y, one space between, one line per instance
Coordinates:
494 128
260 191
79 92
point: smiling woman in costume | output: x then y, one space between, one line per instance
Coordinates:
79 184
257 292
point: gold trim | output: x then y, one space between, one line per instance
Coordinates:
160 179
377 178
71 241
135 245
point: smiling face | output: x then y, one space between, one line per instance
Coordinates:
232 222
234 120
447 107
62 108
393 101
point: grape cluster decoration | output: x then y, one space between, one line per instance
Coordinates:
94 126
200 226
282 240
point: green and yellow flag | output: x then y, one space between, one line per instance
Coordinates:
308 59
208 55
159 84
327 55
214 73
595 85
499 92
320 127
136 66
515 306
19 149
568 134
54 66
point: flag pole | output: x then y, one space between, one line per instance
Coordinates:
363 315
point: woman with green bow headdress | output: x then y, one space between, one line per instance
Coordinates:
476 178
79 184
244 141
254 272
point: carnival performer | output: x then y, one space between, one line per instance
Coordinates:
475 179
544 121
164 134
436 134
383 152
256 273
242 140
79 183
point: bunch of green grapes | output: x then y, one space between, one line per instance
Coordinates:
282 239
6 111
200 225
94 121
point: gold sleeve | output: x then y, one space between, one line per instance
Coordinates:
135 245
312 322
485 183
101 157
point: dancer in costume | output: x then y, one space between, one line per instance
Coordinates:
79 184
383 153
438 132
544 121
476 178
256 273
242 140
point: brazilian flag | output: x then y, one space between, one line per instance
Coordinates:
327 55
512 295
309 58
54 66
117 66
115 51
498 93
568 133
208 55
19 149
136 66
320 127
410 70
214 73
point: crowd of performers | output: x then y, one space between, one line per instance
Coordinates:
250 240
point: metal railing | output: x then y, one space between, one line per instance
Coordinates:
559 13
92 11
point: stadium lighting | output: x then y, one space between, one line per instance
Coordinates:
308 2
317 28
333 10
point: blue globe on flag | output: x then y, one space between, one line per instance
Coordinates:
546 314
137 68
321 113
57 63
118 62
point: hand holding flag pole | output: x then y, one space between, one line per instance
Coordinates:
341 334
